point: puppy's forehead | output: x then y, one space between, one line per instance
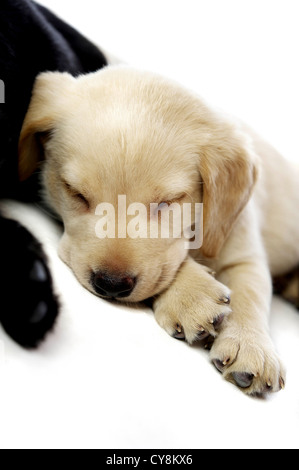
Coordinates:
125 98
130 130
111 166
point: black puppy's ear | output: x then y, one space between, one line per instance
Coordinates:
51 89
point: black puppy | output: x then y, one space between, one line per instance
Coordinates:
32 40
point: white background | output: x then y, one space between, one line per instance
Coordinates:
109 377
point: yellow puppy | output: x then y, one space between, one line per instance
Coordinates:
118 137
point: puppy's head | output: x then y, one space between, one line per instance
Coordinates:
119 150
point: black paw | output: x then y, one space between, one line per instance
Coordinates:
28 305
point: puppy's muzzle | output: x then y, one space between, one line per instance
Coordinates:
111 285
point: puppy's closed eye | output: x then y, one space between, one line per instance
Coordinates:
76 195
165 204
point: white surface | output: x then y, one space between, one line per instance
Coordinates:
109 376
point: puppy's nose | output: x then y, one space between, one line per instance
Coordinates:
114 286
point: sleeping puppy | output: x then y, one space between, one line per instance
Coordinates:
32 40
121 132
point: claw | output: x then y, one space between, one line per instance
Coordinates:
281 383
218 364
225 300
269 385
226 361
202 333
180 332
212 273
221 364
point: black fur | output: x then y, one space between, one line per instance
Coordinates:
281 284
32 40
29 307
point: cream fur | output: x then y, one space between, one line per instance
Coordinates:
122 131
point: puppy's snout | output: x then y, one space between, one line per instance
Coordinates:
111 285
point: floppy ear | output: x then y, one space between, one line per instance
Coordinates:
229 170
45 110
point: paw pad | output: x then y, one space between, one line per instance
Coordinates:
243 379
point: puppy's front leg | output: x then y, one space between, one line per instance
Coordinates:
244 351
195 304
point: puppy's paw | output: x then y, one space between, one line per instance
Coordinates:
248 359
29 306
194 306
